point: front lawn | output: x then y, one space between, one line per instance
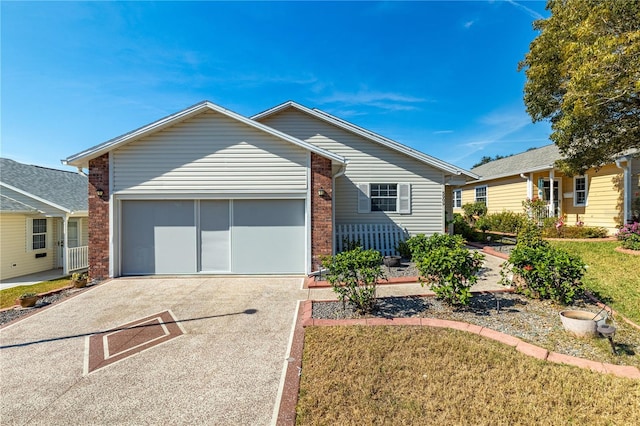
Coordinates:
420 375
613 276
8 296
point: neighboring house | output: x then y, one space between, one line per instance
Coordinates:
207 190
42 211
601 197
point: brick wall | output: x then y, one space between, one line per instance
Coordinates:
321 210
99 218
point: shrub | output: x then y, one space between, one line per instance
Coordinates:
353 275
472 211
544 272
449 268
554 227
505 221
348 244
461 227
403 249
420 244
630 236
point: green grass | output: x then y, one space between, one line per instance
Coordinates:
614 277
420 375
8 296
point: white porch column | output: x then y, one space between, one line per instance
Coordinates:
551 197
65 244
530 186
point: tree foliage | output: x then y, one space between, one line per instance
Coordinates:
583 74
487 159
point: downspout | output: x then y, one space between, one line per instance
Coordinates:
626 188
529 186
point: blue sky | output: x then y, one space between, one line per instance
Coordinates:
440 77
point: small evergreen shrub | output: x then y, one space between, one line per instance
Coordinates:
629 235
473 211
461 227
505 221
353 275
543 271
420 244
403 249
449 268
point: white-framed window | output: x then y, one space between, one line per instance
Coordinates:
580 190
384 197
38 234
457 198
481 194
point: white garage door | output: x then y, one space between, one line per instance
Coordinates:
223 236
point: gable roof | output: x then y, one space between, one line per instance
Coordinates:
63 190
81 159
526 162
374 137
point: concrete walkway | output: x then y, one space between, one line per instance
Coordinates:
31 279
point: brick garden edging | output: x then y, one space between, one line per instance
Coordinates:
520 345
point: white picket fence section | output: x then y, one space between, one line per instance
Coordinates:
383 237
77 258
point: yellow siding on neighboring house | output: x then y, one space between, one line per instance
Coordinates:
15 259
502 194
604 198
506 194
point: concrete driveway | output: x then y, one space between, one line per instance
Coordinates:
219 361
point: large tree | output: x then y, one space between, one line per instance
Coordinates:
583 74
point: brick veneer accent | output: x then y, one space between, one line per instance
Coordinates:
321 210
99 218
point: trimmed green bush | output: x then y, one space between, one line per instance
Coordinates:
449 268
630 236
461 227
505 221
541 271
353 275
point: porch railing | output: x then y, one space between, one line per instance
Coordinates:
77 258
383 237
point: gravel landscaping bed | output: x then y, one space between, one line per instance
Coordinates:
534 321
16 312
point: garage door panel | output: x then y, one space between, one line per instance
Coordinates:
158 237
268 236
215 236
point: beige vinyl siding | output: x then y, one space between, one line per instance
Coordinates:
605 198
210 153
635 177
370 162
13 247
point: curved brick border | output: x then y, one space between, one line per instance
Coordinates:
520 345
628 251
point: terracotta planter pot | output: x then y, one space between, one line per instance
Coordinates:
80 283
28 302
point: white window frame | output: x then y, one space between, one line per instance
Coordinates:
576 191
31 233
457 198
403 197
486 194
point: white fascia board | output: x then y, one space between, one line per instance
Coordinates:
42 200
338 122
81 159
537 169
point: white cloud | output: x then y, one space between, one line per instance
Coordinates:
469 24
442 132
383 100
525 9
